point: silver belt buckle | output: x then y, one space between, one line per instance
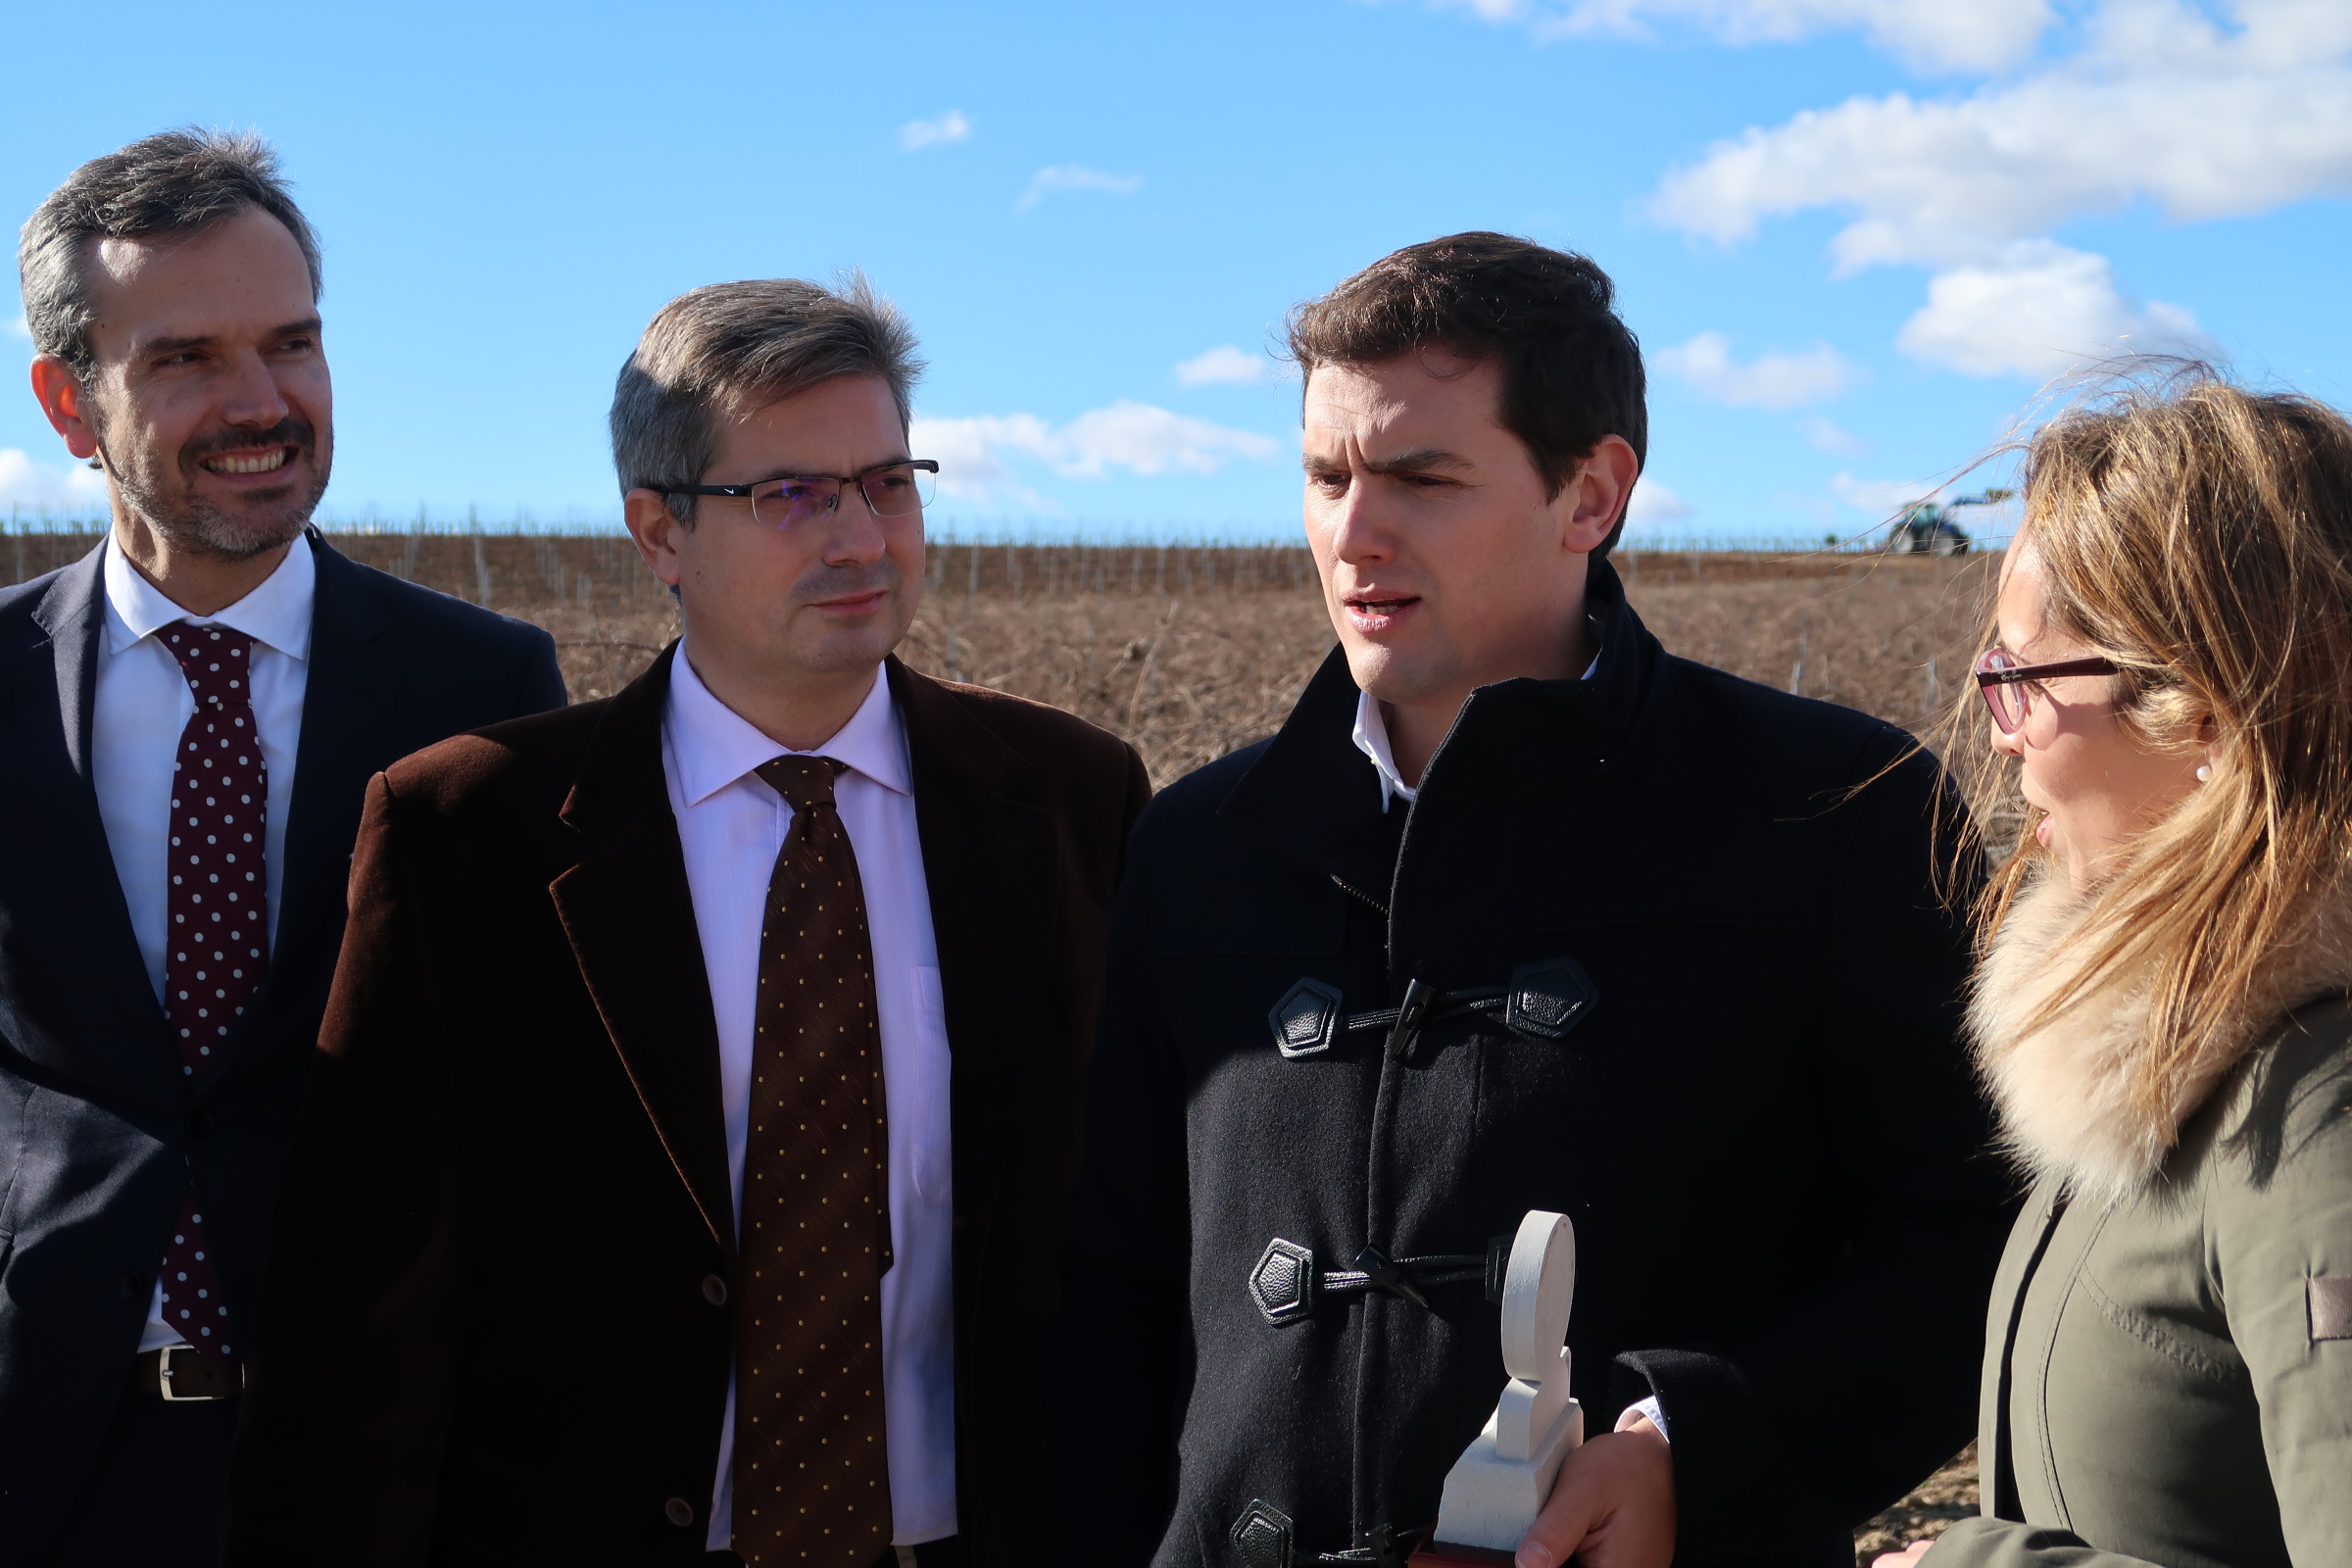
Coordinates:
163 1377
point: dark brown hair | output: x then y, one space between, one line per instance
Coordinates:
1571 369
175 182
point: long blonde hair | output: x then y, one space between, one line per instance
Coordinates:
2200 536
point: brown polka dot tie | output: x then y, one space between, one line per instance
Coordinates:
812 1466
218 905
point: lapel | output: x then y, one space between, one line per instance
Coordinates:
629 913
75 898
347 719
990 862
73 615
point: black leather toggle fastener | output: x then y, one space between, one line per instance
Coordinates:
1284 1283
1261 1536
1418 995
1385 1274
1544 1000
1549 999
1307 1019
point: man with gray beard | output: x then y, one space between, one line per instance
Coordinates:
189 715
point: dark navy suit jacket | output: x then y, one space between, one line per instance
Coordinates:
99 1129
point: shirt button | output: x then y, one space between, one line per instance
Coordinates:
715 1290
678 1512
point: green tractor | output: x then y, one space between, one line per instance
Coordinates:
1926 527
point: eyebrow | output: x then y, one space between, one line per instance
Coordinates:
1415 459
174 345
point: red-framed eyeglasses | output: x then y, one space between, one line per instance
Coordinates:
2007 685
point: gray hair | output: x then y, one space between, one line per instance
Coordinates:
730 348
171 184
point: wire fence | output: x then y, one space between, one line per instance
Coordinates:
949 533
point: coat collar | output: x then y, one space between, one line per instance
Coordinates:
1313 798
2086 1097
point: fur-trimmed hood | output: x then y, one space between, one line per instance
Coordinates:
2065 1089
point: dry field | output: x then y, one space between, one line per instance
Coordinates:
1193 652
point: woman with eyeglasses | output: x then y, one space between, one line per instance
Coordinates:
2161 1010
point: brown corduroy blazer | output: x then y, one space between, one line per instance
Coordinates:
489 1332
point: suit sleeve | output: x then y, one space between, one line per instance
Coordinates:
542 688
1120 1362
349 1385
1867 1382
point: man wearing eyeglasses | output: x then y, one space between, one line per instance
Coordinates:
638 1216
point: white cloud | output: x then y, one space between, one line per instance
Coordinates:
24 481
973 452
14 326
1653 502
2038 311
1768 381
2160 104
1070 176
1927 34
918 135
1828 435
2162 107
1881 498
1227 366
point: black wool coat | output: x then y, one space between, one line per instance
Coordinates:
1730 1053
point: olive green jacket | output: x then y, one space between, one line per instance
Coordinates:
2167 1374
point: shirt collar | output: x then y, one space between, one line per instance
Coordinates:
714 745
276 614
1371 737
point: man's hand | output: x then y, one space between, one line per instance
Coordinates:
1908 1557
1612 1507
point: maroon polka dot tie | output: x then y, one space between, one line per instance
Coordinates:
218 926
812 1463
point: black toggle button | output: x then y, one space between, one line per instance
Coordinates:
1283 1284
1549 999
1307 1019
129 1285
678 1512
715 1290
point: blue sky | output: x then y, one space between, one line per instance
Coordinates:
1855 237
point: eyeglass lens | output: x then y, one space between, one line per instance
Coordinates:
2007 700
892 492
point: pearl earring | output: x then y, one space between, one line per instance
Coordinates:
2204 773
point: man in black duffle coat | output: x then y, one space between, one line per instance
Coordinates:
1684 970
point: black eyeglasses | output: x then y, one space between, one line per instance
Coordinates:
2007 685
891 490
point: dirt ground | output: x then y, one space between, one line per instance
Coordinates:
1190 653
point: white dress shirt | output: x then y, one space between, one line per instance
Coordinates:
141 705
731 826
